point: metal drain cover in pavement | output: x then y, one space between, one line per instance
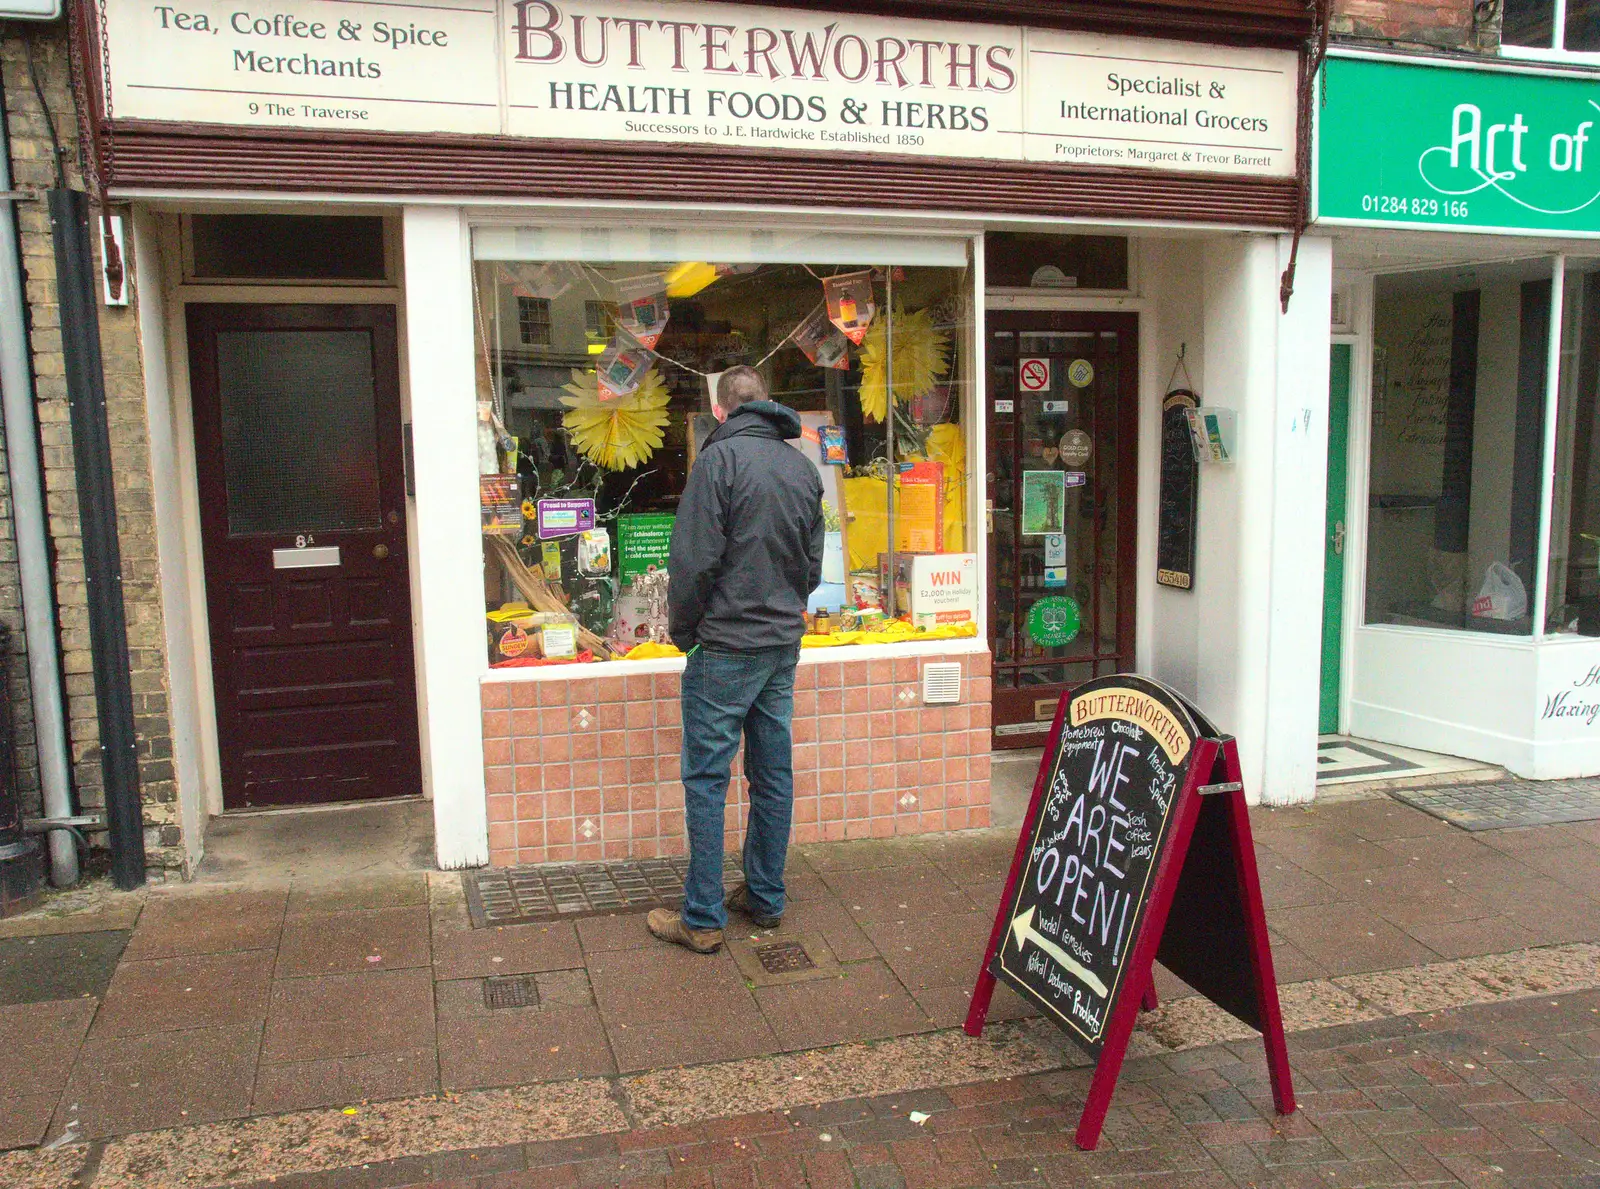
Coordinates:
783 957
1503 804
772 961
512 990
566 891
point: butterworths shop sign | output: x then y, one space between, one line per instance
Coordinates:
706 74
1476 150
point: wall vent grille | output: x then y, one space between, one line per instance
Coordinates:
941 683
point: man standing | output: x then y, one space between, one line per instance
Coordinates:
746 554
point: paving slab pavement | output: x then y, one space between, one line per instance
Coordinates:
290 999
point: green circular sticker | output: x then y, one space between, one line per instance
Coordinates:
1054 621
1081 373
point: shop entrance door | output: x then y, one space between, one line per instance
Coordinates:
302 509
1063 426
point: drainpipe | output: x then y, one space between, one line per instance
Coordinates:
77 288
32 533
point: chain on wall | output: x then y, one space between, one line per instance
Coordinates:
1311 58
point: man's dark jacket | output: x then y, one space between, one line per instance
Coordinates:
747 543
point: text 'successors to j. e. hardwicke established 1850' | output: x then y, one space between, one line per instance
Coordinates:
712 74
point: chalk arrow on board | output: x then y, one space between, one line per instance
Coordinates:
1022 929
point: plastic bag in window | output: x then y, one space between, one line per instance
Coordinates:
1502 595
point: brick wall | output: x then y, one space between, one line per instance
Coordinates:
33 169
589 768
1445 24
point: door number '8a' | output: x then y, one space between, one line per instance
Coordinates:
303 540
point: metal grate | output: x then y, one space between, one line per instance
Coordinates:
512 990
566 891
784 957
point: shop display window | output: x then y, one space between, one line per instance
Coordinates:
1459 376
597 358
1573 593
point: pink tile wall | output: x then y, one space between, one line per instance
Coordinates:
588 768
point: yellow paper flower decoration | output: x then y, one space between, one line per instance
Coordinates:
921 356
616 434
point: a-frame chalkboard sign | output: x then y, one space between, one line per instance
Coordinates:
1136 847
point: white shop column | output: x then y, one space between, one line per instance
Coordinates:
447 545
1260 547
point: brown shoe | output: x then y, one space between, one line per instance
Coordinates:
669 926
739 901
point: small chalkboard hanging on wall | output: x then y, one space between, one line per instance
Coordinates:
1180 493
1136 847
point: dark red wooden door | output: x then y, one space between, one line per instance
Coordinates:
1063 410
302 508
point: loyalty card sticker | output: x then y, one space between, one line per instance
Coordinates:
850 304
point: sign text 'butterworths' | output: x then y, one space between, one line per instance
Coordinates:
617 70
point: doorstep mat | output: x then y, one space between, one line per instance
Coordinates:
1345 759
565 891
1504 804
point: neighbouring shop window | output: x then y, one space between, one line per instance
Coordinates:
1460 362
586 436
286 248
1547 24
1573 599
1017 260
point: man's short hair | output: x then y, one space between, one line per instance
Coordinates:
739 386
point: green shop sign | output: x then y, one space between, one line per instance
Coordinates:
1406 144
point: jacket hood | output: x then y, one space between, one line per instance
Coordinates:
759 418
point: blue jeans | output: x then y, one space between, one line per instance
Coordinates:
726 694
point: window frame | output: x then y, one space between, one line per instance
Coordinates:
1557 51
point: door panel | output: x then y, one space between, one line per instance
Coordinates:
1336 534
1055 378
298 445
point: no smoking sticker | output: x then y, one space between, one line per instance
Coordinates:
1033 375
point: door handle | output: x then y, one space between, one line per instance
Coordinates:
1338 538
380 551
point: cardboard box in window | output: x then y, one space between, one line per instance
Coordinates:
936 589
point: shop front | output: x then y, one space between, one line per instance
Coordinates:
1465 244
433 304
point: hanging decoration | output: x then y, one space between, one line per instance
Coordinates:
850 303
549 280
921 356
620 371
819 339
621 432
643 310
688 278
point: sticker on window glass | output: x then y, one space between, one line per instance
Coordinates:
1080 373
1076 447
1054 621
1033 375
1044 502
